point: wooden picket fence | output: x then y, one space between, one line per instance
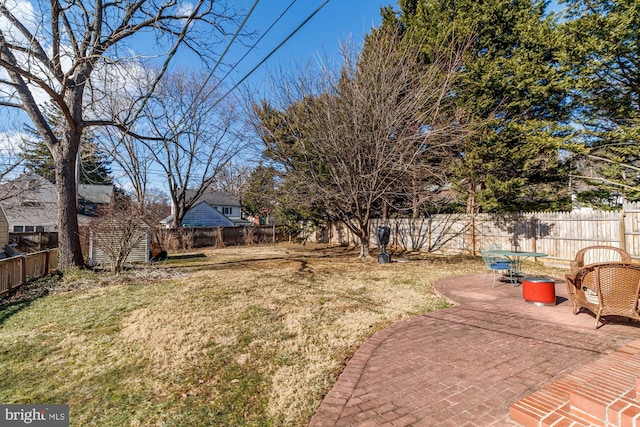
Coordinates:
19 269
558 234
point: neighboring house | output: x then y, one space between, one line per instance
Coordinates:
212 209
30 204
91 197
205 215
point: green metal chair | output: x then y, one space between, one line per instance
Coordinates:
496 264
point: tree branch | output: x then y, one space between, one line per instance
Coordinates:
606 181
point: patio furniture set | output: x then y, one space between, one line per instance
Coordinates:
606 288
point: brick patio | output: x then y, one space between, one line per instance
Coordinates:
467 365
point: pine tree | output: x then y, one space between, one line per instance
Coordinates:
602 45
94 164
259 198
510 82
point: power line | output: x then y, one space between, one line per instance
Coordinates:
272 52
215 67
260 63
219 61
253 46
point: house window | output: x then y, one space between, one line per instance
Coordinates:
18 229
226 211
40 228
28 228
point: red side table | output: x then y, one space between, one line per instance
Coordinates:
539 290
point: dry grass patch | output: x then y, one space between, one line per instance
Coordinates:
232 336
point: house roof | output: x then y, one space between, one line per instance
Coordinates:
98 194
215 198
27 187
29 199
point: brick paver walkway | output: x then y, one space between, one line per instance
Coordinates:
464 366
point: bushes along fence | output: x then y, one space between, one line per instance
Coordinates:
19 269
558 234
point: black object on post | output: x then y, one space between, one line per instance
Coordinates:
383 241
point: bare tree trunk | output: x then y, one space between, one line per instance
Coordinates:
415 199
363 233
471 202
364 248
472 205
64 157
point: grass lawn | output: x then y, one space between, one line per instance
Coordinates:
233 336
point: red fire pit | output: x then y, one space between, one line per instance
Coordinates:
539 290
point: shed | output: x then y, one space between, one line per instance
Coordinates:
4 229
99 242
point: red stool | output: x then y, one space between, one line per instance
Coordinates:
539 290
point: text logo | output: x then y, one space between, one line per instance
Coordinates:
34 415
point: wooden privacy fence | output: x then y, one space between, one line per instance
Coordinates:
559 234
19 269
174 238
34 241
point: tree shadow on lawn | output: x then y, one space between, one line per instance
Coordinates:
22 296
8 310
185 256
336 252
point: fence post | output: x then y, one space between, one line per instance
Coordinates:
534 234
623 231
23 263
396 233
473 235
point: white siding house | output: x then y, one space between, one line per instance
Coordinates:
205 215
212 209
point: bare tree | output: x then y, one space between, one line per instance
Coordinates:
234 179
194 135
10 158
53 51
133 158
351 136
10 153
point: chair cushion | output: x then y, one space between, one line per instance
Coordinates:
500 266
591 295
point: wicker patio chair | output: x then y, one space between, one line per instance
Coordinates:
607 254
606 289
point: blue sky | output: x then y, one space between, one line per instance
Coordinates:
335 22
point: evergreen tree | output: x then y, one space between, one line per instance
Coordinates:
511 82
94 164
259 198
601 50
